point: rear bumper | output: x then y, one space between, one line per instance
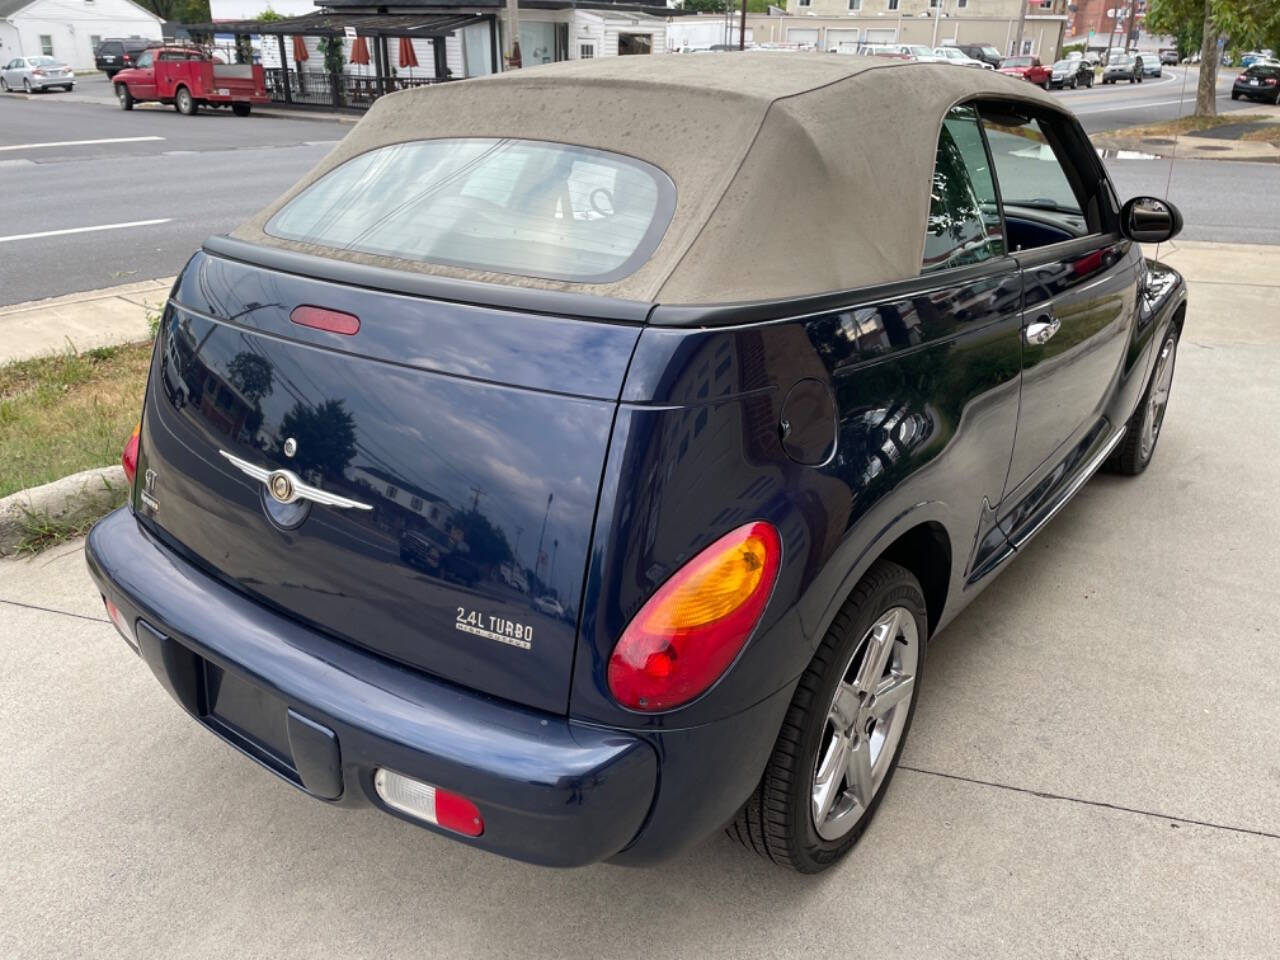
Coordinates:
550 791
47 82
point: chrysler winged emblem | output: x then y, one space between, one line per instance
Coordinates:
285 486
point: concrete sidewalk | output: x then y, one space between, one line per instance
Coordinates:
1093 770
80 321
1197 147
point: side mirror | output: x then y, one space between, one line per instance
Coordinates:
1149 220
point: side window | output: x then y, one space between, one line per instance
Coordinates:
1046 199
964 218
145 60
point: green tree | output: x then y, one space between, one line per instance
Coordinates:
331 49
1246 22
326 438
180 11
269 16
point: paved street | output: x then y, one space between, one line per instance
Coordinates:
206 174
1155 100
201 175
1092 772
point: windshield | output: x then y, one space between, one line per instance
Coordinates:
917 50
1064 65
990 52
43 62
511 206
1263 70
1017 62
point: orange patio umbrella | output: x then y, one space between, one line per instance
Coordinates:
359 52
299 49
407 57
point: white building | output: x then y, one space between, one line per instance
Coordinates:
70 29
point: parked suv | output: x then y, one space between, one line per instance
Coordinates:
1122 66
116 53
980 51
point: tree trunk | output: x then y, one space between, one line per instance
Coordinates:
1207 90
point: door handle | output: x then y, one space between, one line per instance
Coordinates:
1041 332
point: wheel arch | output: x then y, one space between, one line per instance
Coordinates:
920 540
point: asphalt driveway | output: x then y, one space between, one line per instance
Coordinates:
1094 770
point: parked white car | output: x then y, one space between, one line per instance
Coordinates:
952 55
36 73
918 51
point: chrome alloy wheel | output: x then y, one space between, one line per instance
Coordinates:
865 723
1158 399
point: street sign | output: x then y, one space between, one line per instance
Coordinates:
349 32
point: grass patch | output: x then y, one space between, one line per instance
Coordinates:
1171 128
63 414
40 530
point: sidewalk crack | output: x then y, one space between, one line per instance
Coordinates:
1049 795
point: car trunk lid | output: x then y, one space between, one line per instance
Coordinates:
443 464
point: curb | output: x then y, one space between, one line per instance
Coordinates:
79 496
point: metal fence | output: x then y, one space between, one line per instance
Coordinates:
315 88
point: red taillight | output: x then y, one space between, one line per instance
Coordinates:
333 321
129 458
37 73
454 812
690 632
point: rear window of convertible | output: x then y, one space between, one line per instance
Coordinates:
510 206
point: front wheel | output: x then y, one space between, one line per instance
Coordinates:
184 103
4 85
124 97
845 728
1143 429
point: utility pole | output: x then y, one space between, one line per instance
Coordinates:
1128 24
476 494
1022 26
511 49
937 15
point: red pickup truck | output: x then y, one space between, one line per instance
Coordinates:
189 78
1028 68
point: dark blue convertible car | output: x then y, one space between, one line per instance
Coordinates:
577 461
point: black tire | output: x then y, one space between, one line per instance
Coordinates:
240 109
124 97
1235 95
777 820
1133 456
185 103
26 86
4 85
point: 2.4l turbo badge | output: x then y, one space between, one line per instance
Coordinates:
494 628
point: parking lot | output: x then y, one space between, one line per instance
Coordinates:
1093 770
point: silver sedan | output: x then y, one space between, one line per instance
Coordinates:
36 73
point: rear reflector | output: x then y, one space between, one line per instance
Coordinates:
425 802
331 321
121 624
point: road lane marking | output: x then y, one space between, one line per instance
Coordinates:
78 143
103 226
1135 106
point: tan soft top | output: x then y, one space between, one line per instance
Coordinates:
795 173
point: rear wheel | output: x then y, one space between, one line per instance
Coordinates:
845 728
26 85
240 109
184 103
1143 429
124 97
1235 95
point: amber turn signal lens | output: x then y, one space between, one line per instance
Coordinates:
693 628
129 458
